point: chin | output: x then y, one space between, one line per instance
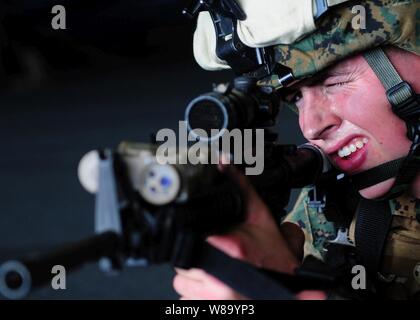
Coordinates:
378 190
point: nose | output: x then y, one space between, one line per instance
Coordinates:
317 115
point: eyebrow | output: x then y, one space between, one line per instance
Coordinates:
319 78
287 91
339 72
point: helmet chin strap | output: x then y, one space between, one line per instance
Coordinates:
406 105
377 174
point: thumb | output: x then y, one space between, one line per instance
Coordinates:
231 244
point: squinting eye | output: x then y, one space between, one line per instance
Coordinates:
337 84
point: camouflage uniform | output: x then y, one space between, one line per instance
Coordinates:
401 257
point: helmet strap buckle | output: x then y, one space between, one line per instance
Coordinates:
403 100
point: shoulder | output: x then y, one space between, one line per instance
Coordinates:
314 224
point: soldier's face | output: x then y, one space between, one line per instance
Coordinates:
346 114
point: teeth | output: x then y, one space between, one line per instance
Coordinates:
359 144
347 150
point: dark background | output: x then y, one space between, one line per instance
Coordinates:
121 71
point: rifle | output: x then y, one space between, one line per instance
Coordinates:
148 212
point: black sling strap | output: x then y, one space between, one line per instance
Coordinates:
262 284
241 276
372 226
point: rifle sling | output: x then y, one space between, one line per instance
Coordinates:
372 226
241 276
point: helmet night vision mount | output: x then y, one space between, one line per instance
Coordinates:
256 63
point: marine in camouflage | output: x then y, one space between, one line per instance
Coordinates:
388 22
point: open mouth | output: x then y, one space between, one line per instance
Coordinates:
351 148
351 156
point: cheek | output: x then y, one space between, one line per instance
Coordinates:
372 113
391 136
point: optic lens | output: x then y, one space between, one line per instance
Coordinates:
207 112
